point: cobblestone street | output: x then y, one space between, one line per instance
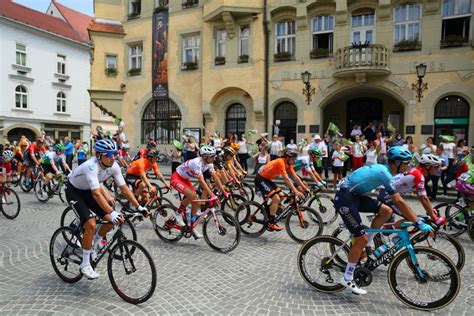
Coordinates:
259 277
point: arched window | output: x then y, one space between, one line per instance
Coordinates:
161 121
21 97
452 117
452 106
235 119
61 102
286 113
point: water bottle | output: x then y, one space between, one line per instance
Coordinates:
188 215
196 216
380 250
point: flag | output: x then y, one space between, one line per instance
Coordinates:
333 127
177 144
249 133
345 141
117 121
302 142
447 138
390 126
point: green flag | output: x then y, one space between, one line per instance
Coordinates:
249 133
390 126
333 127
447 138
117 121
177 144
345 141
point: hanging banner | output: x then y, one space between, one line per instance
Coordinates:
160 54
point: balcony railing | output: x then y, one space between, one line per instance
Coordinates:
372 58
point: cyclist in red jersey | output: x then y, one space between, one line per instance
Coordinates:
32 154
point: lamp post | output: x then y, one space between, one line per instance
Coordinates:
308 91
420 86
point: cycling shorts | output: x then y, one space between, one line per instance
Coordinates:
349 205
180 184
264 185
133 180
47 169
85 205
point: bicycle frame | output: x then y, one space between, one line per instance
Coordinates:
200 218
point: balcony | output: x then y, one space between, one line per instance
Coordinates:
362 61
213 9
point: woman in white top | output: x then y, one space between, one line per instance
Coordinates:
371 155
429 147
292 145
262 158
243 152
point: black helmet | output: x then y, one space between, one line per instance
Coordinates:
291 153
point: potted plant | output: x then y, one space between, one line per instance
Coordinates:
243 59
282 56
319 53
453 41
405 45
134 71
190 3
189 65
219 60
111 71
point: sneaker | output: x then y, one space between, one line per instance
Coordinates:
89 272
196 234
179 218
275 227
351 285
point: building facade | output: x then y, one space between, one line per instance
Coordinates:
45 67
235 65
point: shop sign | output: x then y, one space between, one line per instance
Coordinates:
452 121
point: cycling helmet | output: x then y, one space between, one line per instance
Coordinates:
151 153
207 151
399 153
105 146
23 143
151 143
59 147
315 152
40 140
291 153
126 146
428 159
229 151
8 155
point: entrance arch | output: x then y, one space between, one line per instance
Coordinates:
452 117
15 134
235 119
161 120
287 113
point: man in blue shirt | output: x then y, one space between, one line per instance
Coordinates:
68 151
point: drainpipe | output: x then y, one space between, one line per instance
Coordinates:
266 65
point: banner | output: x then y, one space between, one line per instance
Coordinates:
160 54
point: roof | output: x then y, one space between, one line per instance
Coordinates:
106 26
77 20
46 22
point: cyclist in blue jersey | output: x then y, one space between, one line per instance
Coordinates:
350 200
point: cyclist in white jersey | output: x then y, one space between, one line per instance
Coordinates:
86 193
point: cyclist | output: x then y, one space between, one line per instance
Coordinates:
31 157
194 168
151 144
465 180
123 156
86 193
18 155
50 162
6 166
413 179
263 182
306 165
350 200
230 163
136 174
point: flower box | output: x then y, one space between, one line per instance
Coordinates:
133 15
219 60
134 71
319 53
190 65
452 41
407 45
243 59
282 56
111 71
190 3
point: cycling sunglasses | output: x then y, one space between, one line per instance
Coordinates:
110 155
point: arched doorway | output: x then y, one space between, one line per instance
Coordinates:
161 120
235 119
452 117
362 111
286 115
16 133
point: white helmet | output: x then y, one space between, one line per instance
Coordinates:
207 151
428 159
8 155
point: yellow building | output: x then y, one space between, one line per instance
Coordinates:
235 65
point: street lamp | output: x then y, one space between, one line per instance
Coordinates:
420 87
308 92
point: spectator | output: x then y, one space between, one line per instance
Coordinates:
347 151
80 152
448 150
303 147
371 155
382 129
356 131
262 158
292 145
409 144
191 148
263 141
321 145
358 154
176 158
429 147
68 151
444 170
369 132
243 152
381 145
217 140
276 147
432 191
462 150
338 158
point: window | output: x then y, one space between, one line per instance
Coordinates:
111 62
322 30
134 8
61 102
21 97
235 119
456 16
244 40
135 59
190 3
285 40
191 49
61 65
20 54
220 43
161 121
407 23
363 28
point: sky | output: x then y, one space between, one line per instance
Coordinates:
84 6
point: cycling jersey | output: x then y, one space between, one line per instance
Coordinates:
51 156
90 175
276 168
410 180
194 168
5 168
35 150
304 163
367 178
139 167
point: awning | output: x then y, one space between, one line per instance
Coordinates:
108 101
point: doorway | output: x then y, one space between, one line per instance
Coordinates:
286 114
361 111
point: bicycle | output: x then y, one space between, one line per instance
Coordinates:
253 218
457 216
35 174
125 255
407 269
324 204
10 205
225 237
56 187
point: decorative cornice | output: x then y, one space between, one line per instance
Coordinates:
21 78
61 85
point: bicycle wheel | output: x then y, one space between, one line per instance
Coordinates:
62 193
231 203
309 226
445 243
440 286
10 203
470 229
252 218
69 218
221 231
323 204
40 192
248 191
165 225
341 233
131 271
119 197
65 252
322 262
25 188
456 218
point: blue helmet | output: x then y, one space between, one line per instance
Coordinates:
105 146
399 153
